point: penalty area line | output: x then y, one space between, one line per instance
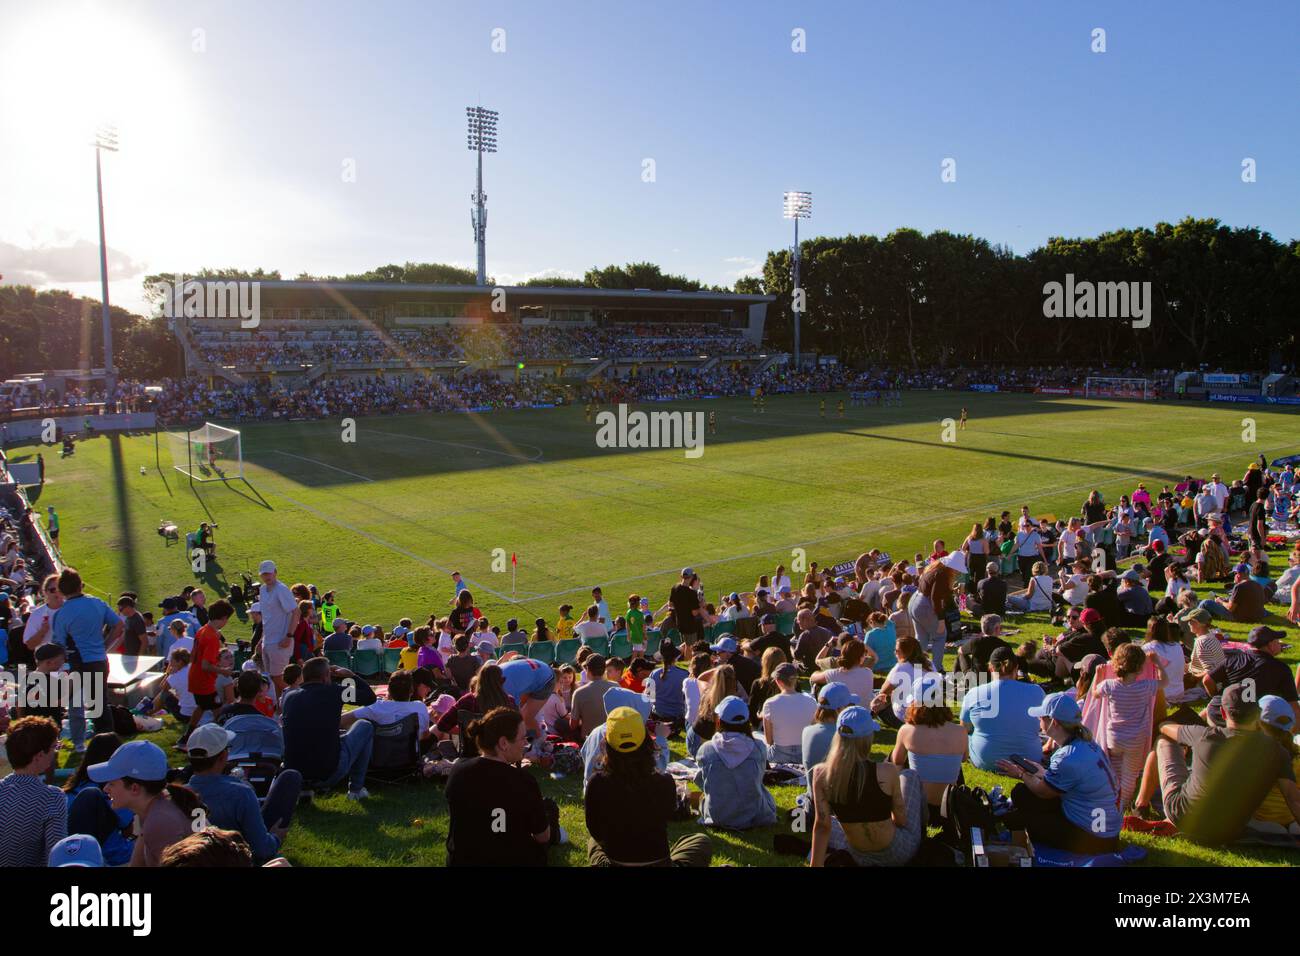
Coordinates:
321 464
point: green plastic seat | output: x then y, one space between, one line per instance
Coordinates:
392 659
367 663
785 622
598 644
543 651
620 646
566 651
339 658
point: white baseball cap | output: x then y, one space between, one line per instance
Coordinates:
255 607
266 567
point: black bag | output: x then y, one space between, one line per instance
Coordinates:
962 810
123 720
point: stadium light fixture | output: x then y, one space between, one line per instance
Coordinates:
798 205
481 138
105 140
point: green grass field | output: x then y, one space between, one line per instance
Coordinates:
385 519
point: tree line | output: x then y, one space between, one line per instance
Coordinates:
1221 296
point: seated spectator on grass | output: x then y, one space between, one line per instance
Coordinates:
748 670
232 803
1134 599
90 811
248 687
815 743
1057 662
497 814
1246 603
593 747
589 699
692 688
874 812
135 779
637 672
996 714
1103 597
1277 720
1034 596
1071 803
931 742
812 638
462 665
33 815
555 717
1258 668
486 692
312 716
1128 703
731 765
400 704
1165 643
854 669
1233 769
973 655
629 803
881 637
785 715
665 688
890 704
766 685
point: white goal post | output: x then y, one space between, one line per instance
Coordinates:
209 453
1101 387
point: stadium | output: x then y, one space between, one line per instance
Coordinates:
872 557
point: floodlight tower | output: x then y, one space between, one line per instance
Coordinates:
105 139
798 205
482 139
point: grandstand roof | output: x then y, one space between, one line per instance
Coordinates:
330 291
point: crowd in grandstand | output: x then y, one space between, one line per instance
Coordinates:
291 346
1140 714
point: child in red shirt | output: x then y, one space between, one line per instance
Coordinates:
205 666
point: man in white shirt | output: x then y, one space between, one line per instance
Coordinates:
279 621
591 626
602 609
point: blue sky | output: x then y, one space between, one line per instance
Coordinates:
234 138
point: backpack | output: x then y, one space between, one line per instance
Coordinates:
964 809
123 720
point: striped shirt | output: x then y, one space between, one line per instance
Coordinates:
1130 711
1207 655
33 817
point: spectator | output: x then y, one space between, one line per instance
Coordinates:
86 626
280 617
629 803
996 714
231 802
135 779
931 742
1245 604
312 716
33 815
731 766
854 669
871 811
665 688
497 815
1071 803
785 715
205 667
1256 667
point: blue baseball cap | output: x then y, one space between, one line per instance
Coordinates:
837 696
732 710
856 722
727 644
1276 712
137 758
1060 706
77 849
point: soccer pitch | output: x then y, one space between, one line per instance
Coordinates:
383 520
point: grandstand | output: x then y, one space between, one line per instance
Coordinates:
306 329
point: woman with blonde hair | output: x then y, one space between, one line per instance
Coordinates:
872 811
717 685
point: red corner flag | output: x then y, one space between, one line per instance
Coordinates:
513 559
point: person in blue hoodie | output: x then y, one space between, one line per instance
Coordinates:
731 765
90 811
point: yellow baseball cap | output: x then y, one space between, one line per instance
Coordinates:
624 729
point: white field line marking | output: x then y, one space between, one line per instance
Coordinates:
321 464
479 448
893 527
396 549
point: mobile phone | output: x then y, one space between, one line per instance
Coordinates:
1023 764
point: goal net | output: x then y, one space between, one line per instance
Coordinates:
210 453
1100 387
